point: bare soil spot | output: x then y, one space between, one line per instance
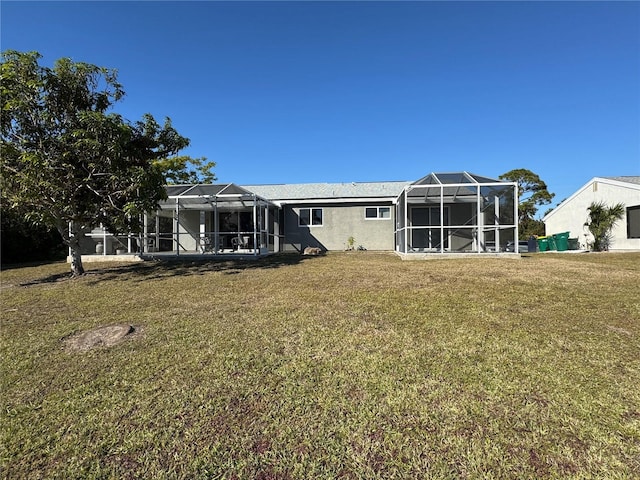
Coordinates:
105 336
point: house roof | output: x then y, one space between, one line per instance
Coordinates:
321 191
336 192
360 190
627 179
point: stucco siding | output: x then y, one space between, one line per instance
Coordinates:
339 222
189 228
572 214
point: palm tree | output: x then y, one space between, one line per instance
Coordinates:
600 222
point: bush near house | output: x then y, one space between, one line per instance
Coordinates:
600 222
338 366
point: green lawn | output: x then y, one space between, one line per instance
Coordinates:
351 365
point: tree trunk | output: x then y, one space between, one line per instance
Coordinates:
72 240
76 262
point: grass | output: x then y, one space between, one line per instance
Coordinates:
354 366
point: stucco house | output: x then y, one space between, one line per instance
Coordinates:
571 215
439 213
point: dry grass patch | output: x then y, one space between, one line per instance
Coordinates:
340 366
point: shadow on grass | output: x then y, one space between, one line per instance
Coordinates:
174 267
58 277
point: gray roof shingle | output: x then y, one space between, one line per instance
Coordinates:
309 191
626 179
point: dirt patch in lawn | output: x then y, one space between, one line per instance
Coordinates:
105 336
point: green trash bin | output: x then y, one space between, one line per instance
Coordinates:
552 242
543 244
562 241
573 244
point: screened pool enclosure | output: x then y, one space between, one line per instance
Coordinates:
212 219
456 213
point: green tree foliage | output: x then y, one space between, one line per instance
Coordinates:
532 192
601 221
68 160
182 170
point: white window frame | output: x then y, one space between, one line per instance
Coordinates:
378 216
311 224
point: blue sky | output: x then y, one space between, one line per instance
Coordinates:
296 92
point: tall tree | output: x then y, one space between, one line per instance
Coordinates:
532 192
69 163
600 222
184 169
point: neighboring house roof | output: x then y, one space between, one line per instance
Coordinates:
328 191
631 181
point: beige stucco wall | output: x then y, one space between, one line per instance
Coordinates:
571 215
189 228
339 223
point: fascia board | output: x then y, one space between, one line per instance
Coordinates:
324 201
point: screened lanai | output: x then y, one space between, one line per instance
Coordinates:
212 219
456 213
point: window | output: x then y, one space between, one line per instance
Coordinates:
310 217
633 222
377 213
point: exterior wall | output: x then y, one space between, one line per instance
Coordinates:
339 223
189 228
571 215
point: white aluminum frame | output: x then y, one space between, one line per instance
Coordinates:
478 228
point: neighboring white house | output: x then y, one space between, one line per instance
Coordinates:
571 215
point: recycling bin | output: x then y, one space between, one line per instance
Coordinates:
562 241
543 244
